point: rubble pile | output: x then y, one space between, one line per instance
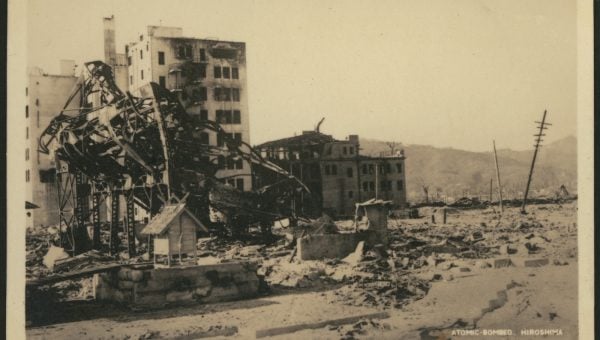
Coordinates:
37 242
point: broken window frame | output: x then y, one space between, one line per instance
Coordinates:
239 164
235 94
226 72
203 114
239 183
226 94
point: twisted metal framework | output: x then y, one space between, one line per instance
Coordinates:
148 149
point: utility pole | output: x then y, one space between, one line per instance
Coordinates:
491 198
538 140
498 176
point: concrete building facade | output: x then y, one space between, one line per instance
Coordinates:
209 78
335 172
46 96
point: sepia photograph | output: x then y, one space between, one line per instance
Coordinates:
300 169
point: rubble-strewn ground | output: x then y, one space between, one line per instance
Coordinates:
433 278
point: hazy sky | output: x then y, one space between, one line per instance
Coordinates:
444 73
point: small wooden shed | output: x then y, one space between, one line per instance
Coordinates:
174 231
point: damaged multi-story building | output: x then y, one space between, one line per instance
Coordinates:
337 175
45 98
209 77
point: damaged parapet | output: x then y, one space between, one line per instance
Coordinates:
370 227
158 287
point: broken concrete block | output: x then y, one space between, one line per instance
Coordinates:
507 249
54 254
536 262
501 263
436 277
483 264
185 296
136 275
125 284
357 255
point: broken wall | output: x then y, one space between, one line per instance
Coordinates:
156 287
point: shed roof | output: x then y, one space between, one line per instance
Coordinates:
159 223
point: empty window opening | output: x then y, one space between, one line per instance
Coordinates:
161 58
235 94
239 183
235 73
399 185
204 138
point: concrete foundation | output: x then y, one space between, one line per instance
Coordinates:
157 287
318 247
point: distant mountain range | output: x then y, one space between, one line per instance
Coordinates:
453 173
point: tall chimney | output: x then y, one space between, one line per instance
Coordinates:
110 48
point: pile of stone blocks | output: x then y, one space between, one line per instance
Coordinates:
157 287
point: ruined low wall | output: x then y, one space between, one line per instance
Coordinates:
318 247
157 287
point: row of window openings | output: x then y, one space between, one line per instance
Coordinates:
345 150
236 183
383 168
225 94
230 163
235 136
385 186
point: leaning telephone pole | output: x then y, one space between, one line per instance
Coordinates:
538 140
497 177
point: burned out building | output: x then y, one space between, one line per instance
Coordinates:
209 78
337 175
45 97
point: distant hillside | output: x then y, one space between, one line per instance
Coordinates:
454 173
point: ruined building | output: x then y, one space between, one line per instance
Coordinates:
46 95
209 78
335 172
